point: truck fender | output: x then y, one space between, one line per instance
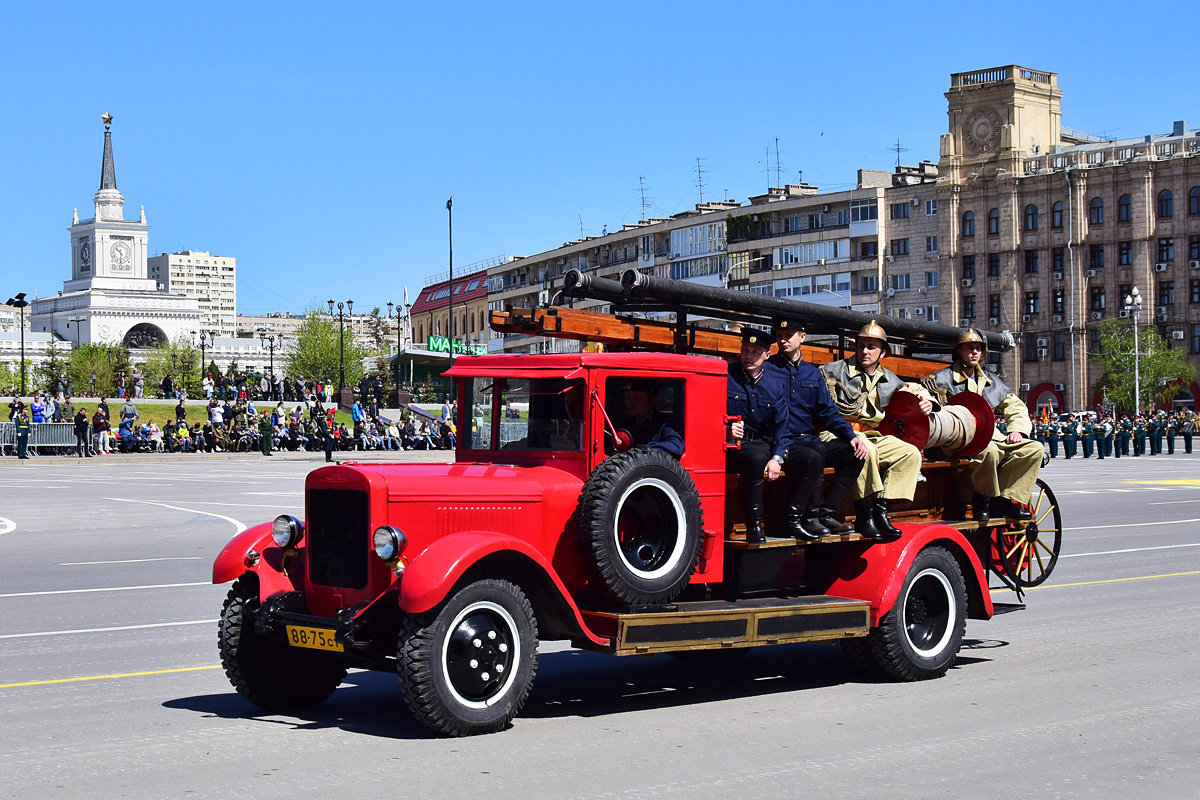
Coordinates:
433 572
231 561
882 577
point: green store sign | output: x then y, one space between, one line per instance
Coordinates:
441 344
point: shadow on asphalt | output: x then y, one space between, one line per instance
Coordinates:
576 683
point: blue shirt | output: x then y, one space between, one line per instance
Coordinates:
809 403
655 432
761 404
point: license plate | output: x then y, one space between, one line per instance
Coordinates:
313 638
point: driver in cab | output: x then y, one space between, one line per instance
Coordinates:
647 426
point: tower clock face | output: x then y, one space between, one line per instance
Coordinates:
121 254
85 254
981 132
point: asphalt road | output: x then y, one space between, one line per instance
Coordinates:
109 685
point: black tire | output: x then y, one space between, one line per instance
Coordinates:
640 513
920 636
446 689
269 673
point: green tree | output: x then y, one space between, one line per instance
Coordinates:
10 376
92 368
180 359
46 373
377 330
1162 371
315 351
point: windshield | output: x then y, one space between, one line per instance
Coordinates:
534 414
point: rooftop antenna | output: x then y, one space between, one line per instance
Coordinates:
642 190
778 171
800 177
581 236
899 150
700 177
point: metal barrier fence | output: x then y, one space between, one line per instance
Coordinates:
48 435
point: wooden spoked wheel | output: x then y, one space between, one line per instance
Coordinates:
1028 550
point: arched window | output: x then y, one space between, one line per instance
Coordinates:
968 225
1055 215
1096 211
1166 203
1031 217
1194 200
994 222
1125 208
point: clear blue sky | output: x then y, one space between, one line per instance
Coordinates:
317 143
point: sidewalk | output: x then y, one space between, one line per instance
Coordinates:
368 457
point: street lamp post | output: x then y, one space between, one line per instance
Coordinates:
1133 304
343 309
268 341
203 361
20 303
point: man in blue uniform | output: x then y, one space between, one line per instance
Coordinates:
810 405
756 394
648 426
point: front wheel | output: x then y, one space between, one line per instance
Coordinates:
467 666
920 636
269 673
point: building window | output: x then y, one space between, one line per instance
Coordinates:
863 210
901 281
1166 293
1194 200
1057 259
843 217
1194 247
791 224
968 267
1033 303
1094 341
868 283
1096 211
1031 217
1123 291
994 265
1097 300
931 208
899 247
994 306
1055 216
1166 203
1124 253
931 278
1194 291
868 249
1060 345
1031 348
1059 301
969 306
899 210
1196 338
931 244
994 222
968 223
932 314
1096 256
1166 250
816 220
1125 208
1031 261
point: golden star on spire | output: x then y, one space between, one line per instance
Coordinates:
107 117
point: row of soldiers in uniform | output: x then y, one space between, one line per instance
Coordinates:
798 420
1109 438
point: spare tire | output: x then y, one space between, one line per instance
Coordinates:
640 513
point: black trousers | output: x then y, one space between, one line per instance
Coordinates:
749 462
81 444
805 466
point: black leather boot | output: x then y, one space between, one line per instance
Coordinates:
799 526
979 507
754 524
1003 507
890 532
828 517
864 523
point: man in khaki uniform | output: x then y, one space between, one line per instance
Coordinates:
1005 472
861 389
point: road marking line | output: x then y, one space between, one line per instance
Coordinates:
1132 525
7 526
1130 550
1172 502
107 589
108 630
108 677
1173 482
1094 583
240 527
128 561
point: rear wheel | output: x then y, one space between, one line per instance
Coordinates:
467 666
269 673
1028 551
920 636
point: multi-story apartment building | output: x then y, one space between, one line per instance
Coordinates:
212 280
468 295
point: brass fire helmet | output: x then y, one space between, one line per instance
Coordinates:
970 336
873 330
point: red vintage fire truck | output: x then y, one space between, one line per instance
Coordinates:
549 525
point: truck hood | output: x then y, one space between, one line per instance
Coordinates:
479 483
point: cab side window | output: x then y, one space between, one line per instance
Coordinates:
643 407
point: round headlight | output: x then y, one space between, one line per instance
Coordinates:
287 531
389 542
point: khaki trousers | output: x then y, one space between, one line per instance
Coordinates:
1008 470
892 469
